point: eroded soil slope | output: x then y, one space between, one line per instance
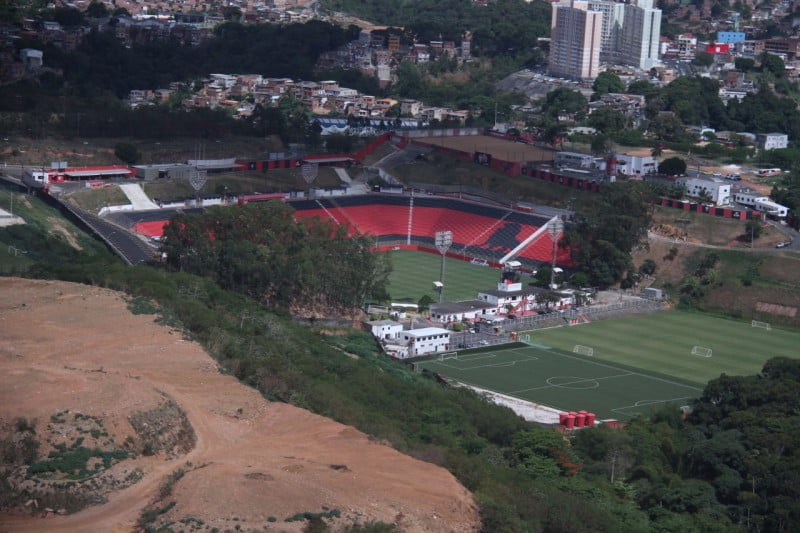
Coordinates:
108 419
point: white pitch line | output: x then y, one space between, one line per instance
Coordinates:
635 373
650 402
570 383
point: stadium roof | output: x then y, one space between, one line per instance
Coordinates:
334 159
452 308
424 332
96 172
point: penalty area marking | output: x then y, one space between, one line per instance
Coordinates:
494 365
645 403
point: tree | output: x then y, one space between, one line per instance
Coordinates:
673 166
606 228
564 100
648 267
600 145
753 229
232 13
772 64
703 59
96 10
409 80
424 303
666 126
608 82
127 152
607 120
745 64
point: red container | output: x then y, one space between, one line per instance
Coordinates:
562 418
570 421
573 413
580 419
590 419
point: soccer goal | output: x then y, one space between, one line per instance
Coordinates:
525 338
448 355
764 325
701 351
583 350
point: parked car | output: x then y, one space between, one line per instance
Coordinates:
783 244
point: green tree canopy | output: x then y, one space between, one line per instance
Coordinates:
673 166
127 152
608 82
772 64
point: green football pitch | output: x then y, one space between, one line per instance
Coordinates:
636 363
413 274
566 381
663 343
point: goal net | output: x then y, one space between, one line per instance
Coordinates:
524 338
583 350
701 351
764 325
448 355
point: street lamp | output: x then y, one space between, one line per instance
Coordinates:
443 241
554 228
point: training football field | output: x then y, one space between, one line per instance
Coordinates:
663 343
636 363
566 381
413 275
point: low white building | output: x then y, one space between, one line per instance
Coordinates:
772 141
578 160
385 329
514 298
467 310
718 191
425 340
761 203
636 165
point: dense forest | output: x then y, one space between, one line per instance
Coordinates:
731 465
502 26
102 63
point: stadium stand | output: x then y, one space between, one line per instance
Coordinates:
479 231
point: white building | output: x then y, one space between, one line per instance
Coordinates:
467 310
425 340
513 298
717 190
31 58
761 203
635 165
575 35
385 329
578 160
640 36
772 141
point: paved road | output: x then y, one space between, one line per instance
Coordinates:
795 246
132 249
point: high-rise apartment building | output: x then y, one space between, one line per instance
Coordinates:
584 33
611 29
575 35
641 30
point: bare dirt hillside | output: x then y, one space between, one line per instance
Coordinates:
108 419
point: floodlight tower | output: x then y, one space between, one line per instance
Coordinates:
555 228
443 241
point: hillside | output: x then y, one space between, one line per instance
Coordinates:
79 370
